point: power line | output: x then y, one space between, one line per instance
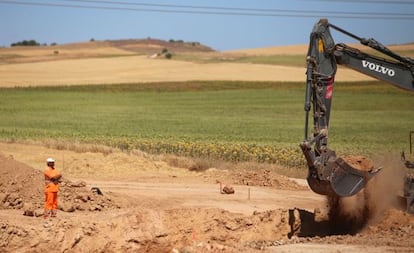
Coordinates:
238 9
368 1
282 13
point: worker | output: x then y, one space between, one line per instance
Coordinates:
52 178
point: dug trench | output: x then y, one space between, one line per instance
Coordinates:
185 212
340 218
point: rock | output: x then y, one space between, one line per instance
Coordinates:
228 190
187 249
230 225
80 206
84 198
77 239
38 212
3 197
174 250
96 190
78 184
95 207
19 205
66 207
13 197
28 213
17 202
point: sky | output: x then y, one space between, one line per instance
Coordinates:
220 24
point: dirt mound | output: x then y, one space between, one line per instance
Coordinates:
256 177
19 184
22 187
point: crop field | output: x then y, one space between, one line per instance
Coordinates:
98 63
233 121
249 106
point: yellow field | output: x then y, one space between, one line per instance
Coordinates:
103 64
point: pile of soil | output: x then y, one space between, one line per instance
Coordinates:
22 187
256 177
263 177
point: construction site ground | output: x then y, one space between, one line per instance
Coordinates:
148 205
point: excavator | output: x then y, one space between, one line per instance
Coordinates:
328 174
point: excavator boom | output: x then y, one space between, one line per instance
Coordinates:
327 173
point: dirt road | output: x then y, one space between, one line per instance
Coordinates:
179 195
167 209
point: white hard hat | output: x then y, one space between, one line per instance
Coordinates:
50 160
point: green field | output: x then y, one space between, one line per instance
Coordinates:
226 120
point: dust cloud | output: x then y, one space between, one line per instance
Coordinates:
350 215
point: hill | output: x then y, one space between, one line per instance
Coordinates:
97 49
135 61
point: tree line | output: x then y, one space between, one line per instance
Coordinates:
30 43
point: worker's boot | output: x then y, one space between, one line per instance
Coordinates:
47 214
54 213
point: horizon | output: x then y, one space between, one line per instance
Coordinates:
92 40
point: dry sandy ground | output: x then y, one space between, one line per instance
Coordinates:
149 206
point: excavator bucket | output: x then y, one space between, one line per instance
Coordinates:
346 180
322 187
331 175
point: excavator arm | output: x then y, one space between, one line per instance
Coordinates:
327 173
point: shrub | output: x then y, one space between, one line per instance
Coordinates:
168 55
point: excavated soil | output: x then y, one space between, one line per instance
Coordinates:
158 208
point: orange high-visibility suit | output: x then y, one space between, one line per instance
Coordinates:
51 190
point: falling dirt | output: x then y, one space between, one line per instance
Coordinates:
166 209
349 215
